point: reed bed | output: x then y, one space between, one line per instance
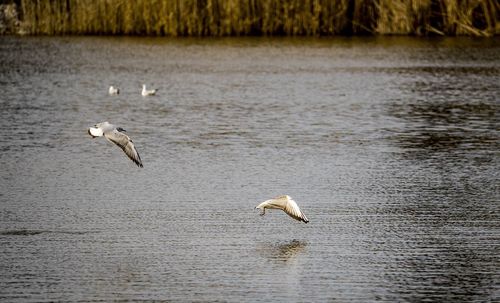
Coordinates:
261 17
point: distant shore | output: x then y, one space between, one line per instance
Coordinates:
251 17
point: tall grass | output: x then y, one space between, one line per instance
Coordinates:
261 17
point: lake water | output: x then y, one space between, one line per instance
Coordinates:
391 147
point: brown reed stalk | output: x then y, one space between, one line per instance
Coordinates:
261 17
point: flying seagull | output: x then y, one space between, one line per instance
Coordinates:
115 135
286 204
148 92
114 90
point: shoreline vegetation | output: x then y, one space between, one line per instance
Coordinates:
480 18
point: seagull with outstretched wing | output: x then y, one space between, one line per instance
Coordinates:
286 204
116 135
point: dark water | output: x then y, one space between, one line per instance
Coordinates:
390 146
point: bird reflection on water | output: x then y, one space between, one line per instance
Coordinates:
282 251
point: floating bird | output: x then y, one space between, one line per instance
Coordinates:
114 90
115 135
146 92
286 204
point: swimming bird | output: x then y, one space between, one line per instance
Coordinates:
115 135
114 90
286 204
146 92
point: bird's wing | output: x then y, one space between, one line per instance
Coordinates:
293 210
125 143
277 203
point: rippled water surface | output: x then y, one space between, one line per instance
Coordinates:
390 146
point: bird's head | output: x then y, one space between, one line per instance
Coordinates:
88 131
95 132
261 205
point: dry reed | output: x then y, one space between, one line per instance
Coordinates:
261 17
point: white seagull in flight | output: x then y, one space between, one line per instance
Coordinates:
286 204
115 134
147 92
